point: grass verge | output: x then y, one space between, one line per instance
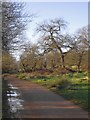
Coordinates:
74 87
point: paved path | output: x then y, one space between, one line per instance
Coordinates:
40 102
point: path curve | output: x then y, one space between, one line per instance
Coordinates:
39 102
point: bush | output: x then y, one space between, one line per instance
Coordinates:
22 76
78 75
75 67
41 77
52 84
64 83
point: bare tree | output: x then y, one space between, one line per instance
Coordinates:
13 23
9 64
29 57
82 44
54 37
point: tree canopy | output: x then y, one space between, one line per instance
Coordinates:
14 22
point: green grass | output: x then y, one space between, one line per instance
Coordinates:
79 97
71 86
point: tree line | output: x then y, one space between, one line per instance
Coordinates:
55 49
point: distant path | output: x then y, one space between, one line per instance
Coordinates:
39 102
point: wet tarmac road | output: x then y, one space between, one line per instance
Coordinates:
29 100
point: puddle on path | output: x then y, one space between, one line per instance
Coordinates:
15 104
12 93
11 87
14 100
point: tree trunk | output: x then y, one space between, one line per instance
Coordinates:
62 60
45 64
34 67
79 62
53 64
24 67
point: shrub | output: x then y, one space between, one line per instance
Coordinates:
41 77
22 76
75 67
64 83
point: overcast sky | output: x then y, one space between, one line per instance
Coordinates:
75 13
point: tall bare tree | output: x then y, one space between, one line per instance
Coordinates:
29 58
82 44
9 64
54 37
13 23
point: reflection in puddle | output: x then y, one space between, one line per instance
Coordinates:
12 93
11 87
15 104
13 99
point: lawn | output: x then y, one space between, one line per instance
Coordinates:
74 87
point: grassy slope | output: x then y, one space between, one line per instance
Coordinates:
71 86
